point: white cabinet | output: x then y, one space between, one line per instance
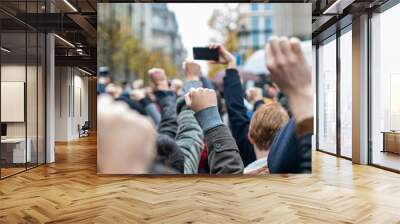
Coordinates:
17 146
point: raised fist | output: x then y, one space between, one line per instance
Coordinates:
176 86
137 94
290 71
159 79
288 67
138 84
192 70
254 94
200 98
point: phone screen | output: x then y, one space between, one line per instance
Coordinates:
204 53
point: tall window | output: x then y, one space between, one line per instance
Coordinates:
267 23
254 6
327 97
346 94
267 36
255 29
385 89
267 28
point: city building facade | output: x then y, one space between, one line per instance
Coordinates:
255 25
257 22
153 24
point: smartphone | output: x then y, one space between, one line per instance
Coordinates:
204 53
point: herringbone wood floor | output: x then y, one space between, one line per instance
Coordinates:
69 191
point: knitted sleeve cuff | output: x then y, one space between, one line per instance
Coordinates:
208 118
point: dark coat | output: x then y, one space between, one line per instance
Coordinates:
238 120
288 153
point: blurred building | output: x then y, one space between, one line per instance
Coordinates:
153 24
292 19
257 22
255 25
164 33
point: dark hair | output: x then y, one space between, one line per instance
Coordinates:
169 154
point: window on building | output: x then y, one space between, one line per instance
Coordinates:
255 29
327 97
385 89
267 23
267 35
254 6
267 6
346 94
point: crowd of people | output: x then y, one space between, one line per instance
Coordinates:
178 126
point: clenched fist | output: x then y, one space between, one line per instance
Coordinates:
288 67
137 94
192 70
254 94
200 98
138 84
159 79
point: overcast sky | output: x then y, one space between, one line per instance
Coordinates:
193 26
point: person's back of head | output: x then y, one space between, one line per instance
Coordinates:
265 123
125 139
169 154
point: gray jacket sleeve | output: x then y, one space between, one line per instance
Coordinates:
223 153
189 138
168 124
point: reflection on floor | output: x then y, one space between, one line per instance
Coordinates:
69 191
386 159
10 170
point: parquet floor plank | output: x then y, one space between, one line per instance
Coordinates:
70 191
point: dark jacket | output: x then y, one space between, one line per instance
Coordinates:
289 153
151 110
238 120
134 105
304 131
168 125
223 153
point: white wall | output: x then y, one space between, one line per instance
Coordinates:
71 102
12 73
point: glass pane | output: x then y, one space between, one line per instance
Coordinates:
314 79
31 97
386 89
32 88
346 94
41 98
13 86
327 97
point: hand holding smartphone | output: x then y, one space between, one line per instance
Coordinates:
215 53
205 53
